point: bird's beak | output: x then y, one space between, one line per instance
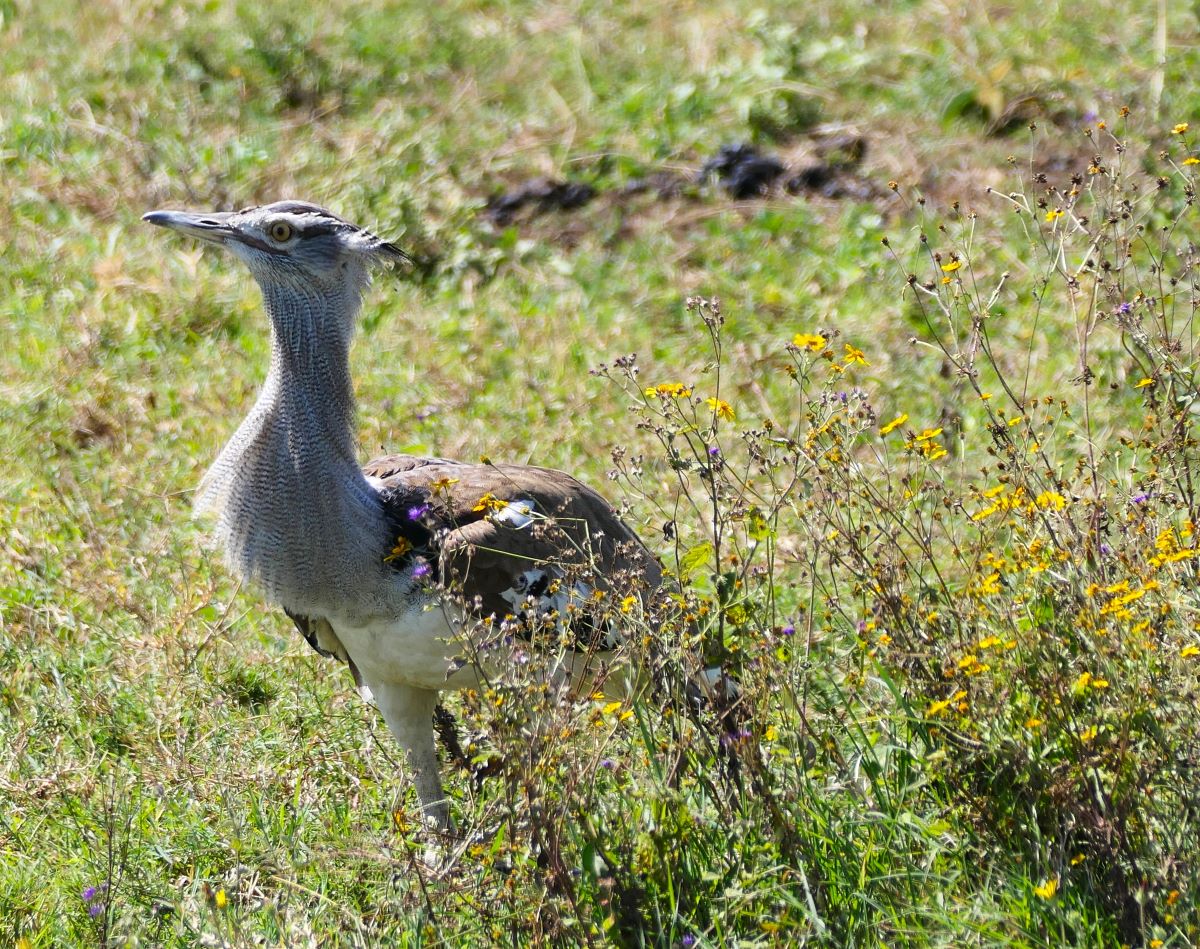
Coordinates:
393 253
214 227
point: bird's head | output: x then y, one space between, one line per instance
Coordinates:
291 244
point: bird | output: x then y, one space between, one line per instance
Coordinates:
392 566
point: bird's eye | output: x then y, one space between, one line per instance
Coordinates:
280 231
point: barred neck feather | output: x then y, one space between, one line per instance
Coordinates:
294 513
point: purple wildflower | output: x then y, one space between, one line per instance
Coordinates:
1140 497
95 909
89 894
1125 308
1105 549
1090 117
418 511
714 452
788 630
608 764
688 941
421 570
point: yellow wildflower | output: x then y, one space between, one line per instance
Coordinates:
811 341
894 424
1188 651
1191 160
771 733
720 408
442 485
489 502
1180 128
952 266
928 434
1143 382
673 390
220 899
1047 889
970 665
628 604
1088 734
1053 215
1051 499
988 585
1033 722
936 708
854 355
1127 598
403 546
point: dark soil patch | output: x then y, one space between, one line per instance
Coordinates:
537 196
742 171
825 167
92 425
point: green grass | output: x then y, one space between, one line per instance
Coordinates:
166 736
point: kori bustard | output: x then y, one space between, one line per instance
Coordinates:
384 566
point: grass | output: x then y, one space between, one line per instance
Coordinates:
179 768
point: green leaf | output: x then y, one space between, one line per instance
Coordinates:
694 558
757 526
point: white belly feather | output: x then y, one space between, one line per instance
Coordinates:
419 648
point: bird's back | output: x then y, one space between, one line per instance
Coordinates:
483 528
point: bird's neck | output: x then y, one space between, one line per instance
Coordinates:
294 512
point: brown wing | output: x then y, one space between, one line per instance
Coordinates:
319 634
499 532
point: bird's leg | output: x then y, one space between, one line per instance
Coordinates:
409 716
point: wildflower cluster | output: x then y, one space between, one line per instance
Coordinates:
1041 605
975 604
1018 568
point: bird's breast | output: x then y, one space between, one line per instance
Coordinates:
418 648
